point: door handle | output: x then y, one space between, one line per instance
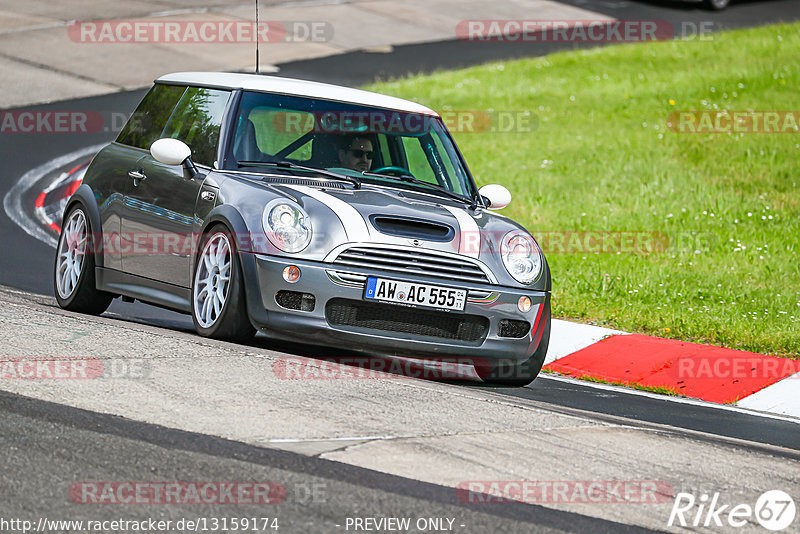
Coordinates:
137 176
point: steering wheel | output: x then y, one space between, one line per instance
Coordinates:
391 169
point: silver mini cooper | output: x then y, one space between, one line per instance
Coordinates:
309 212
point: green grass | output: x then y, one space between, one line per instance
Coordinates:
602 158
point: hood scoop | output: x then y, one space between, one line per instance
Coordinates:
412 228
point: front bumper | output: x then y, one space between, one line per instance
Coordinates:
341 318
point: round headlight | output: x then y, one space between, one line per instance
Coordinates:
287 226
521 256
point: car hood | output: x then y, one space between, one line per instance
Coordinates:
378 215
342 216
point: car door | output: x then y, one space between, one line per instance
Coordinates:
115 164
159 213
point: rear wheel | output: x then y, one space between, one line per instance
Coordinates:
74 276
219 308
513 373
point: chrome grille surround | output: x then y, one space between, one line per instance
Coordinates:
412 262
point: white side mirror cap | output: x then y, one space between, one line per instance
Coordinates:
499 197
170 151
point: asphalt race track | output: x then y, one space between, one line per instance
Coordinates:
64 443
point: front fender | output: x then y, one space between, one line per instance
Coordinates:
84 196
230 217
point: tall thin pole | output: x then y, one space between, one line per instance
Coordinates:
257 34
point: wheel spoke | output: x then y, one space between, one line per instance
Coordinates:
222 252
203 287
70 231
205 311
213 252
217 305
65 281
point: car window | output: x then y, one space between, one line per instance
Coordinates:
439 153
196 121
417 160
276 129
148 121
269 127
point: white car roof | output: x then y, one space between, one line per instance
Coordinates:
291 86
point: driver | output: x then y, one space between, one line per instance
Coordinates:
357 152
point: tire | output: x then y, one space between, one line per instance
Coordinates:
219 306
717 5
73 271
519 374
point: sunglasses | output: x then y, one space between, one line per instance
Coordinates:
358 153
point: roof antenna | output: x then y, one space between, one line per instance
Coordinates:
257 72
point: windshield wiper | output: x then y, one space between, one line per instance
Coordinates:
410 179
295 167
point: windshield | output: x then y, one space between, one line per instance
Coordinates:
375 145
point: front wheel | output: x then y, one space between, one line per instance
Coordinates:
219 308
74 276
512 373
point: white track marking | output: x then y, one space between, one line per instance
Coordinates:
566 338
12 202
311 440
668 398
782 397
47 213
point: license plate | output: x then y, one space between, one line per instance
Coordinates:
413 294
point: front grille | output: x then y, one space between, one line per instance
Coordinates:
294 300
512 328
412 262
443 325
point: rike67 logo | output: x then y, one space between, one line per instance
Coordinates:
774 510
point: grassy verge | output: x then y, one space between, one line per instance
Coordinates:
602 158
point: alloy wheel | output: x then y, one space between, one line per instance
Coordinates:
212 280
71 254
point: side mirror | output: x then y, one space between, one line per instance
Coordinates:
498 196
174 152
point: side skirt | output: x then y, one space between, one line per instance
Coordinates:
161 294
